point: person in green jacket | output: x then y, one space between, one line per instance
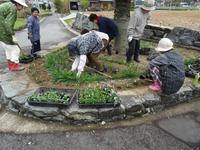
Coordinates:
8 17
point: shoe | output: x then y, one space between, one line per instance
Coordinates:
155 87
15 67
137 60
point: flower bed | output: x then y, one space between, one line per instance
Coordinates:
98 98
52 97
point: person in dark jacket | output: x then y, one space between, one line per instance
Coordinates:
107 26
34 31
167 69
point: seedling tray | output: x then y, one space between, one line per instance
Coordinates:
97 105
72 94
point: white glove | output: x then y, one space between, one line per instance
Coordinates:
130 38
14 39
78 74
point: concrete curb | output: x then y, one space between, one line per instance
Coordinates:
68 27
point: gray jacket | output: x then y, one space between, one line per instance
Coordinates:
33 24
137 23
171 68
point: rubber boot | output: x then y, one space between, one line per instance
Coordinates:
155 87
15 67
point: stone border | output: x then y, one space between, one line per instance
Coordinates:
131 106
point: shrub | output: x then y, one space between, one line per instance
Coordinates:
85 4
62 6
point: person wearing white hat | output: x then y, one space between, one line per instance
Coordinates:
8 16
167 69
136 26
88 46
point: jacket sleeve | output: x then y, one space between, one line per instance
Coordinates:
30 25
132 25
75 63
82 62
10 21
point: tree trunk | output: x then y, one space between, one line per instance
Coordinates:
121 17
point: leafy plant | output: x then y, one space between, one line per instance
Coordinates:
99 96
50 96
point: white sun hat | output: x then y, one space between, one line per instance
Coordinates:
21 2
164 45
148 5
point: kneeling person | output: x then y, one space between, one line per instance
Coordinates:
88 46
167 69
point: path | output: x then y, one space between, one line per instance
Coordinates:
180 132
52 33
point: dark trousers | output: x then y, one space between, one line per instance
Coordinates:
35 47
108 47
134 48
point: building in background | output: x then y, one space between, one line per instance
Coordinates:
95 5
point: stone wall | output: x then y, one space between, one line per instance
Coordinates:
179 35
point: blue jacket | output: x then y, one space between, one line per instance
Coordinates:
108 26
34 28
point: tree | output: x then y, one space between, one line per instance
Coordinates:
85 4
62 6
121 17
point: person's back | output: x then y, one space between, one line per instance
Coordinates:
171 69
108 26
8 16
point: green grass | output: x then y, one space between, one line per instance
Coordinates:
70 22
20 24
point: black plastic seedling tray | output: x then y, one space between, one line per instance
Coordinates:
72 94
98 105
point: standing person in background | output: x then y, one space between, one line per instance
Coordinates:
34 31
106 25
8 17
136 26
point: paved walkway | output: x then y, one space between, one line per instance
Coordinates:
179 132
53 32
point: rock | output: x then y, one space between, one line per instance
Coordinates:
111 113
197 43
3 99
159 33
41 112
22 99
76 113
151 99
186 40
132 104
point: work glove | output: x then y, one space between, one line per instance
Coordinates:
130 38
14 39
78 74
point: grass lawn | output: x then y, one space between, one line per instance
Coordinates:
70 22
20 23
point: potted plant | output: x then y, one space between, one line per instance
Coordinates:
98 98
52 97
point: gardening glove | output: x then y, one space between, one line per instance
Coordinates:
75 64
130 38
14 39
82 62
78 74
